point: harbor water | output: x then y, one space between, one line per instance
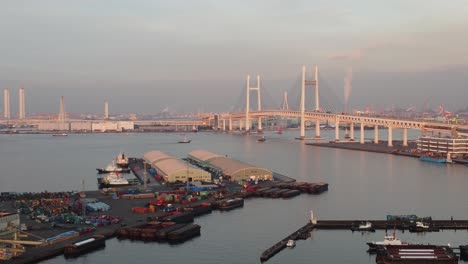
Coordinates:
362 186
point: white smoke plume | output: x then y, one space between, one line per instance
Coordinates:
347 85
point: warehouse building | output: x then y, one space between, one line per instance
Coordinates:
173 169
235 170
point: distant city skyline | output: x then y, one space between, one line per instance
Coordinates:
145 56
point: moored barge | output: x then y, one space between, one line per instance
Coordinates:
290 193
84 246
231 204
201 209
184 233
414 254
162 233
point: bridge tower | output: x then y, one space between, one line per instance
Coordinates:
317 103
247 108
284 104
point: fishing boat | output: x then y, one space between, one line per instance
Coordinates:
367 226
291 243
112 168
185 140
262 139
388 240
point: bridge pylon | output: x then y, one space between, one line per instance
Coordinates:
247 105
304 83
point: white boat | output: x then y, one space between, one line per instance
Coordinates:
367 226
185 140
112 168
291 243
262 139
113 179
60 135
388 240
422 225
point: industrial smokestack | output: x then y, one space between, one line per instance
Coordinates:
22 113
106 110
6 103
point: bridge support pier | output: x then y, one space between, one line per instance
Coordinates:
241 124
390 136
351 132
405 137
224 124
362 133
317 128
376 134
259 129
337 130
230 124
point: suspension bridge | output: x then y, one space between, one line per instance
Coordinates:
245 116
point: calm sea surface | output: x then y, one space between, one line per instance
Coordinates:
362 186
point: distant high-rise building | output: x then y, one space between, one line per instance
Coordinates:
6 103
22 113
106 110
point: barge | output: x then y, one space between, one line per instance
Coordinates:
198 210
162 233
231 204
184 233
177 217
414 254
290 193
84 246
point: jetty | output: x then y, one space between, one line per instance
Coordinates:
395 223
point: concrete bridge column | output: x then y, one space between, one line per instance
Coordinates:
390 136
317 128
405 137
337 130
230 124
376 134
351 131
241 124
260 124
362 133
176 128
224 124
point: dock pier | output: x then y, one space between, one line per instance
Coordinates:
303 232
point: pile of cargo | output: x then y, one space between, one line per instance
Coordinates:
138 196
62 237
102 220
408 218
143 210
97 207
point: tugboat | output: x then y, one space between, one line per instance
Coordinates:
291 243
262 139
122 161
112 168
367 226
388 240
185 140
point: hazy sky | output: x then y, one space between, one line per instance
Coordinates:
142 56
